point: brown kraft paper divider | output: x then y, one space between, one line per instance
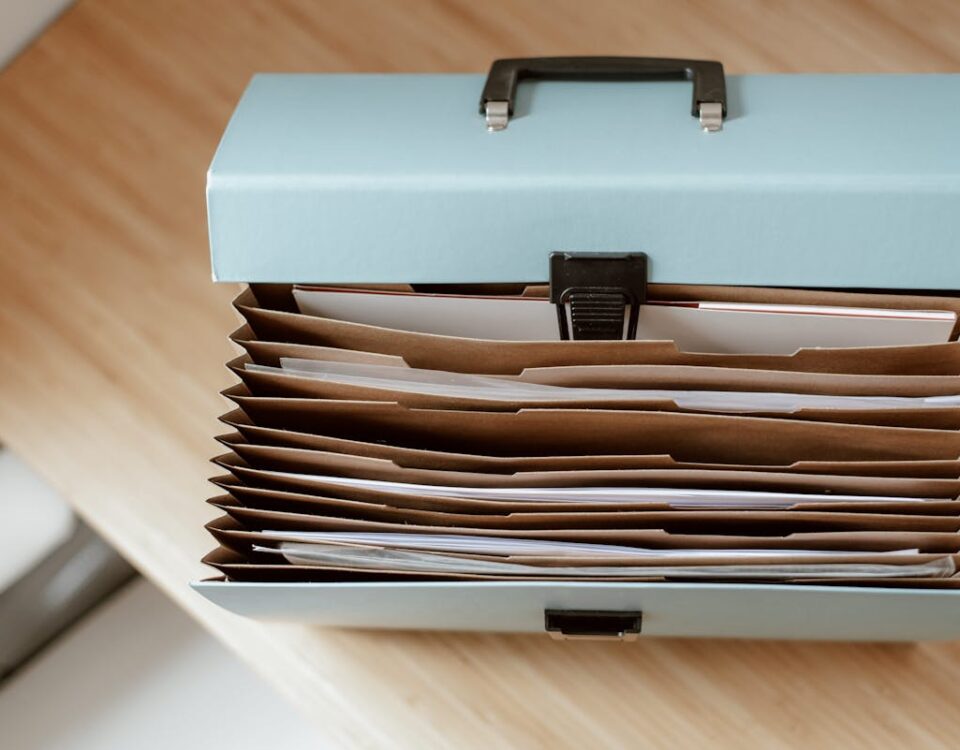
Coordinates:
552 560
552 432
700 521
284 385
685 377
311 462
675 376
256 567
250 494
270 352
816 485
292 385
946 418
427 459
652 376
511 358
228 532
287 383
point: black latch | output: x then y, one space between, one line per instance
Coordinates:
599 289
590 624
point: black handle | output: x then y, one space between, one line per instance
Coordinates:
709 85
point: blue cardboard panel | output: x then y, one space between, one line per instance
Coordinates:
692 610
815 180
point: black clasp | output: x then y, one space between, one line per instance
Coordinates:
599 288
594 625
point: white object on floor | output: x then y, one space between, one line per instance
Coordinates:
36 519
23 20
138 673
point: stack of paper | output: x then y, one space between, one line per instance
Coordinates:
385 435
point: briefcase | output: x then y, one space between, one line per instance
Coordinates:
603 347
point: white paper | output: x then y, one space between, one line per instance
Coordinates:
474 544
429 562
683 498
457 385
731 328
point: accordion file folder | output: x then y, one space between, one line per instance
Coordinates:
602 347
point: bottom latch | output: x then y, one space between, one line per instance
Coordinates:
591 624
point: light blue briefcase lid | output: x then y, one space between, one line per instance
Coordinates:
814 180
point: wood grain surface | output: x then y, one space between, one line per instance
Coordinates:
113 339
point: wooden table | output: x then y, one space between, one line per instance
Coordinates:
112 340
